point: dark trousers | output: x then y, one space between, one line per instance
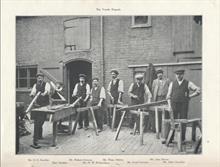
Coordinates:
83 116
39 119
180 111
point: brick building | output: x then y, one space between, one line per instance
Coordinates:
64 46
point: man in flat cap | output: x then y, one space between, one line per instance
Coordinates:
159 89
42 100
82 90
179 96
115 91
97 99
136 92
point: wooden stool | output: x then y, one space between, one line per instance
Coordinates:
177 126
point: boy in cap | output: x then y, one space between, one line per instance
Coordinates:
136 92
97 99
179 96
82 90
42 100
159 90
115 91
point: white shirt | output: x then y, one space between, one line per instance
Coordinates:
102 92
76 89
34 90
120 85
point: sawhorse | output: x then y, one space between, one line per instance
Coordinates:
83 109
176 125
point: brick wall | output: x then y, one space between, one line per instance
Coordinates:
40 40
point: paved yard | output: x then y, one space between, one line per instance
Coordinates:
86 142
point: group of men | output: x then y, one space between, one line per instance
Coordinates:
176 92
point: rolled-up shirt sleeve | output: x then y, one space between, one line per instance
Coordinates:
47 88
102 93
130 90
193 87
169 91
33 91
75 90
109 87
147 92
121 86
87 89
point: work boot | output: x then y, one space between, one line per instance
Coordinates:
35 145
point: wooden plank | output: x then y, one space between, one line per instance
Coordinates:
75 123
94 121
119 126
145 105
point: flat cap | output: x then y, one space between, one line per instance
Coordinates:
95 78
40 74
114 71
82 75
159 70
139 76
179 71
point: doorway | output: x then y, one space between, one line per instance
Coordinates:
75 68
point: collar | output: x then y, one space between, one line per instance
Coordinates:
180 82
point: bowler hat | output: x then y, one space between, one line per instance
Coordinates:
82 75
179 71
114 71
40 74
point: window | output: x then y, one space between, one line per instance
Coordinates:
25 76
141 21
77 34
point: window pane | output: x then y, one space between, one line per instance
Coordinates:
22 83
22 72
32 82
33 72
141 19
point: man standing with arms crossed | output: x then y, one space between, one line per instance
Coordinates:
82 91
115 91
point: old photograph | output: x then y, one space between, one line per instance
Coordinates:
108 85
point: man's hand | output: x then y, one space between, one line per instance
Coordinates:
112 98
135 96
100 104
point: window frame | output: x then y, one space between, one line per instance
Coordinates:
66 45
148 24
28 77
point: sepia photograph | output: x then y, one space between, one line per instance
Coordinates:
108 85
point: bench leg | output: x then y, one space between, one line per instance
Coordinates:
54 134
194 131
75 124
94 121
179 138
141 128
156 122
198 143
135 128
113 118
70 124
119 126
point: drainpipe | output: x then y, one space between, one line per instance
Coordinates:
102 50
